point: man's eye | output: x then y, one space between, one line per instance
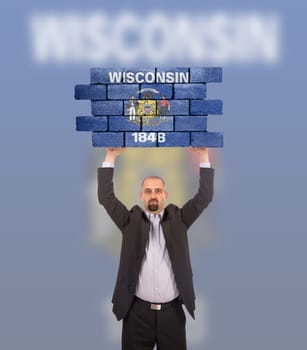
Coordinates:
158 190
147 191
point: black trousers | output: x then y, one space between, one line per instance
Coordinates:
143 327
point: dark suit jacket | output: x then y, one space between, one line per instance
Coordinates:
135 229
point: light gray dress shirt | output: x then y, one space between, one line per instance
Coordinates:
156 282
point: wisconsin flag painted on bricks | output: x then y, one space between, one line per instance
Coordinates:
145 107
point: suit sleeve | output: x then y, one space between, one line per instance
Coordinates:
106 197
194 207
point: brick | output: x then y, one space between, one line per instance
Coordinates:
158 124
162 90
204 107
174 70
107 107
179 107
108 139
206 75
123 91
141 139
91 123
120 123
190 91
101 75
206 139
142 70
175 139
90 92
190 123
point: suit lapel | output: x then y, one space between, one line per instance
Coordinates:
144 234
166 227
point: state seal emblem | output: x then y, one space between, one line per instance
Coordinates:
148 110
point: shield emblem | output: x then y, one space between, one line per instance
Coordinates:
147 108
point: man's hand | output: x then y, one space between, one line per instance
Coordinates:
202 152
113 153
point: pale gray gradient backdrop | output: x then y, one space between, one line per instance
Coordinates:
55 282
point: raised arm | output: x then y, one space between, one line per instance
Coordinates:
113 153
194 207
202 152
114 207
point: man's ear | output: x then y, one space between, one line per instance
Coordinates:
166 194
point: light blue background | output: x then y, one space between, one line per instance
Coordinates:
254 275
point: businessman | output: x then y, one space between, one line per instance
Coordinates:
155 275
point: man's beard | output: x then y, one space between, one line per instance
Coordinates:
153 205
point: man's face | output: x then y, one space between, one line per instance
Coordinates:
153 195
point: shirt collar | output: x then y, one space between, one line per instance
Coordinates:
148 214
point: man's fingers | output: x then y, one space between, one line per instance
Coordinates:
197 149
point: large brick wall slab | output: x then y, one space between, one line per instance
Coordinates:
150 107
